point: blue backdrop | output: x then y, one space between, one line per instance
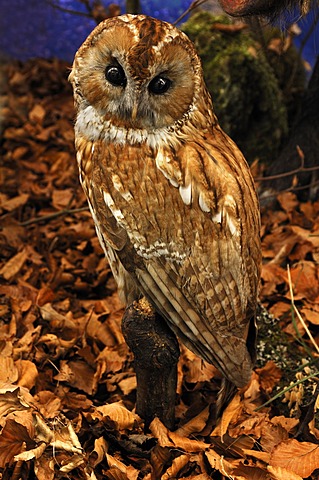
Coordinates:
33 28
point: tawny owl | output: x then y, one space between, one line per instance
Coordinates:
171 195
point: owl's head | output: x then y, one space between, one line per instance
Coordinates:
138 73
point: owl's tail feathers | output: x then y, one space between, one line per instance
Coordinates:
228 389
225 395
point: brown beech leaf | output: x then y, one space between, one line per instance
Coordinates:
44 468
245 472
14 202
269 376
285 422
288 201
62 198
186 444
272 275
13 398
304 279
272 435
120 470
128 384
37 114
279 473
14 436
263 456
280 308
166 438
14 265
45 295
201 476
195 425
250 425
311 315
219 463
177 465
27 373
231 413
8 370
48 403
98 453
301 458
27 455
118 413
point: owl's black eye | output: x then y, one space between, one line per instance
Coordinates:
159 85
115 75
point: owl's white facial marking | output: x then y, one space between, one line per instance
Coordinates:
92 126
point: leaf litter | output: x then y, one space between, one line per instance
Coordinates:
67 383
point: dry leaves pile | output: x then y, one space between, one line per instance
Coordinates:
67 385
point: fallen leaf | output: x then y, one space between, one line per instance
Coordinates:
301 458
14 265
231 413
178 463
17 432
27 373
14 202
269 376
118 413
279 473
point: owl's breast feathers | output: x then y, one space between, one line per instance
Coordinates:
182 224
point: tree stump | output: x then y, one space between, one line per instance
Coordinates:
156 352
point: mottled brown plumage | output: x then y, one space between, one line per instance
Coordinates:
171 195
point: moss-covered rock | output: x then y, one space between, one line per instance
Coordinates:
246 91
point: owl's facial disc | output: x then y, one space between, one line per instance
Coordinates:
137 73
133 98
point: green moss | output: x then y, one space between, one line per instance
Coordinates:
245 88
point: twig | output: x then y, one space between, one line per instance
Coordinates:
295 171
51 216
67 10
297 311
193 5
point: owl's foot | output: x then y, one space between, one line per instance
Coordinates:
156 354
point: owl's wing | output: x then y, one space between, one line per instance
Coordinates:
185 228
208 293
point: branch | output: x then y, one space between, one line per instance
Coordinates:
156 353
51 216
67 10
295 171
193 5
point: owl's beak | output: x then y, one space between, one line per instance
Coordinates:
134 111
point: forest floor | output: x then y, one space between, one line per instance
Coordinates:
67 383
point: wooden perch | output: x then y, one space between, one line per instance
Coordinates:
156 354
